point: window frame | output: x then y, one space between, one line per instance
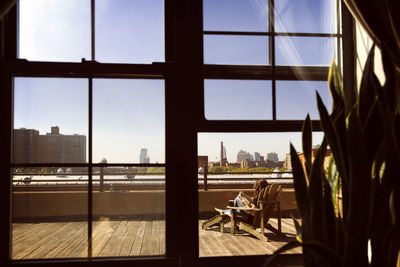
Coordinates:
184 73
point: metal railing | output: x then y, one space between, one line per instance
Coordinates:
102 180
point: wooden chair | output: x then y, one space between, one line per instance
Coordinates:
268 199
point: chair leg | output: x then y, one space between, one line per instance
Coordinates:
221 227
249 229
233 222
279 217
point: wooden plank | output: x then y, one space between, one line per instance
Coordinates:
23 229
148 244
133 238
82 249
204 249
29 231
54 241
111 248
31 244
154 238
137 243
161 237
131 228
101 240
64 249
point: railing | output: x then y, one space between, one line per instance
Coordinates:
128 180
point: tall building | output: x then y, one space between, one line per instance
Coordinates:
31 147
243 155
144 158
272 157
222 156
288 163
25 142
256 156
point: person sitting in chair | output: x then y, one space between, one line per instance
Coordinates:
244 200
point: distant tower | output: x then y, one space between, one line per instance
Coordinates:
256 156
143 158
221 159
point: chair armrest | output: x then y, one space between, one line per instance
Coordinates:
243 208
270 201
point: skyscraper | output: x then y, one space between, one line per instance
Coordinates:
25 143
243 155
144 158
256 156
272 157
222 155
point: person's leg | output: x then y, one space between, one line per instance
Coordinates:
238 203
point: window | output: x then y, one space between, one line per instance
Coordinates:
264 61
88 147
108 104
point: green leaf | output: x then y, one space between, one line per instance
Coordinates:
307 143
333 178
329 215
300 185
359 193
315 189
297 226
369 83
335 87
333 139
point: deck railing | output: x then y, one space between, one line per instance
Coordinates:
107 180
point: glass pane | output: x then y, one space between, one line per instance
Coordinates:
310 51
297 98
54 30
49 213
128 121
245 158
235 50
237 100
50 120
235 15
129 211
305 16
129 31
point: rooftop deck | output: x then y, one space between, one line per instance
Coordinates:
116 238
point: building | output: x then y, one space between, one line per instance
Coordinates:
256 156
222 159
143 157
25 142
288 163
272 157
31 147
243 155
274 164
248 164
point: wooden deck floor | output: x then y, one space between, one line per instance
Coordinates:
130 238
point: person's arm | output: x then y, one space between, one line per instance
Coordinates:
250 198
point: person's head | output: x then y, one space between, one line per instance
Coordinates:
259 185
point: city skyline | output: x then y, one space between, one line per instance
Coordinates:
262 143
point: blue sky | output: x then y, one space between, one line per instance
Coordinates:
129 114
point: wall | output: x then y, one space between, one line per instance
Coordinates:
138 203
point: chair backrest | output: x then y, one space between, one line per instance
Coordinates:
267 196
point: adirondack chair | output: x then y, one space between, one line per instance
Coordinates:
268 199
